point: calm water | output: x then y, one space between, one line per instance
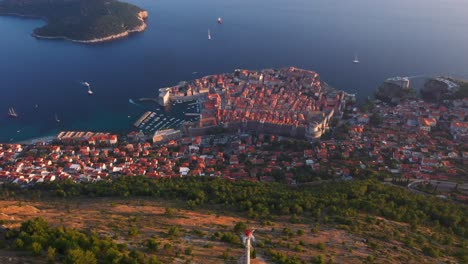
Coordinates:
391 37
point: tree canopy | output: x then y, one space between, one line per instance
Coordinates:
77 19
261 200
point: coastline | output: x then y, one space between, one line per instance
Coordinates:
142 16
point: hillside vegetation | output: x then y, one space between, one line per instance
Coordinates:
390 221
77 19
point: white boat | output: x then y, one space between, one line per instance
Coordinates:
356 60
220 21
56 119
209 34
89 87
157 126
12 112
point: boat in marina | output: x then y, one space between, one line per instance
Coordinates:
157 126
12 112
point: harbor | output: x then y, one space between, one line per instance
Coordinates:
172 116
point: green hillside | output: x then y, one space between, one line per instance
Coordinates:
77 19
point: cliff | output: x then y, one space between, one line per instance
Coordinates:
393 93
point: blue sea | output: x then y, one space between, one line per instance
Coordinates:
391 37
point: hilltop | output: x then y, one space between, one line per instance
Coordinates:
198 220
85 21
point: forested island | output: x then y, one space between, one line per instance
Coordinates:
85 21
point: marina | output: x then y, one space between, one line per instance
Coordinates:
156 118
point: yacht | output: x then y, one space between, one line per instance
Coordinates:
12 113
90 92
209 34
56 119
356 60
220 21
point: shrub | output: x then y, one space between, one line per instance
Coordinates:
321 246
133 231
318 259
36 249
240 227
173 231
152 244
230 238
19 244
51 253
78 256
430 251
169 212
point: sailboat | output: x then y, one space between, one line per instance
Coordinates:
209 34
12 113
356 60
56 119
220 21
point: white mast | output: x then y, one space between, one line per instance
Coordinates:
247 253
247 238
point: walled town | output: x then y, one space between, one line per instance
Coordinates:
414 140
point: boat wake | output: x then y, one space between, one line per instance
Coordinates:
133 102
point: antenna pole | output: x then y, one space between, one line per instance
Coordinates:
247 254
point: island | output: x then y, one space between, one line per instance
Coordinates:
84 21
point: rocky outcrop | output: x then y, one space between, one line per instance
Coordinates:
390 92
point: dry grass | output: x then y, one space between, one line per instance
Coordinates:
115 217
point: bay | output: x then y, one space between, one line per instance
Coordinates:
391 38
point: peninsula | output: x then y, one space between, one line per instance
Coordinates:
84 21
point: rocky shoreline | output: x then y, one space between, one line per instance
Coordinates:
142 16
